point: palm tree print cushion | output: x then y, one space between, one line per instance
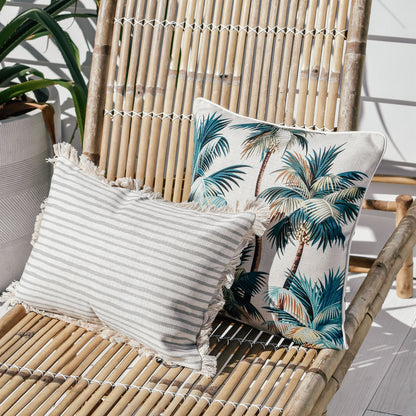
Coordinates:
292 280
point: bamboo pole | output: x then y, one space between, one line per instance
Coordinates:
23 344
162 63
250 43
213 389
236 385
119 91
129 95
106 359
280 373
140 84
221 53
109 44
401 180
11 318
378 205
200 384
256 387
353 65
299 372
12 322
231 56
171 102
277 60
315 64
285 67
264 102
96 90
336 65
153 66
360 264
325 66
91 393
239 60
31 386
140 78
183 103
56 388
294 63
404 278
193 378
255 80
305 64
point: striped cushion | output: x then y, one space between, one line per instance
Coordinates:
149 269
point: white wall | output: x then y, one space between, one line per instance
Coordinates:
388 95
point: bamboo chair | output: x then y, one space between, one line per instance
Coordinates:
279 61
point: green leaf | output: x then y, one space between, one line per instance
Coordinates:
24 87
9 73
20 28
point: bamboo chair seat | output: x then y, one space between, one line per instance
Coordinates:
277 61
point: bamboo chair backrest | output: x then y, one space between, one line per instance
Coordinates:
279 61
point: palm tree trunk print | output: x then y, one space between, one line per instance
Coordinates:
258 241
302 239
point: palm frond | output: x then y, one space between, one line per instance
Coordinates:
208 141
298 137
285 304
205 188
321 162
332 287
326 233
328 315
250 283
318 210
336 182
280 234
352 194
296 171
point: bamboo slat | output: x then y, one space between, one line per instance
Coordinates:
294 64
325 66
305 63
336 65
315 64
404 278
264 97
353 65
102 41
285 66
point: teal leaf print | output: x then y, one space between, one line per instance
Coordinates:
309 313
210 144
313 203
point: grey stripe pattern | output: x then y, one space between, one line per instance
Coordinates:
144 267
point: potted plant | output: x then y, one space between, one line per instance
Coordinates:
26 128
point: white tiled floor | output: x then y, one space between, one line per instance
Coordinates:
382 378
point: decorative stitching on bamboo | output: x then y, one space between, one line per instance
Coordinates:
150 390
221 27
142 114
252 343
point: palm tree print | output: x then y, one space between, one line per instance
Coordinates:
309 313
265 140
313 203
209 145
237 303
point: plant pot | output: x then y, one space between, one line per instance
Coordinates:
24 184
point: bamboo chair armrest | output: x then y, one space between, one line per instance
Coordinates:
330 366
